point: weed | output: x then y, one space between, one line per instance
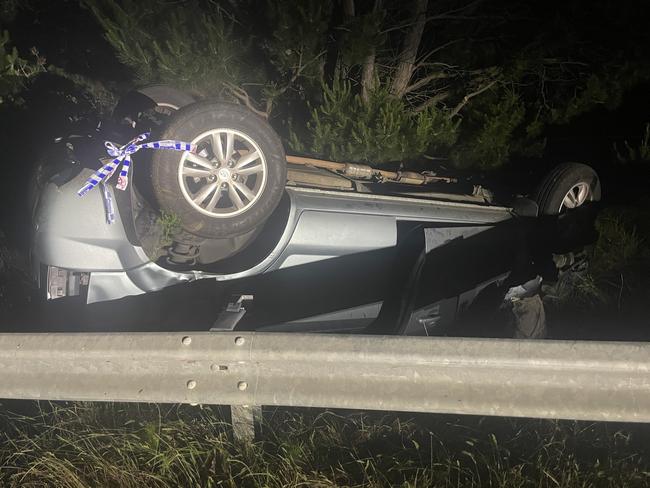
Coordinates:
170 225
619 245
639 153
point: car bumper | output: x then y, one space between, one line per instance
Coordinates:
70 233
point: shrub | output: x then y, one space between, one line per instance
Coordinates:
345 128
189 47
14 70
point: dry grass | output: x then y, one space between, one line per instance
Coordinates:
117 445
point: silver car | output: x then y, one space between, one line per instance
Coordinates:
295 245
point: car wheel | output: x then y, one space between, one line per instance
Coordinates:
234 180
568 186
167 98
150 105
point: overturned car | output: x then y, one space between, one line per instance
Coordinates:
297 242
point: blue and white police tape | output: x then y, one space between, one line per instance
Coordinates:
122 155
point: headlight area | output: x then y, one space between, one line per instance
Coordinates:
59 282
59 164
66 157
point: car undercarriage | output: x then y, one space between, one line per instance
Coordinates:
298 242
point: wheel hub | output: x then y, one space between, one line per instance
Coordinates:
576 196
226 177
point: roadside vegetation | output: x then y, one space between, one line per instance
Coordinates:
472 82
639 152
119 445
15 71
617 265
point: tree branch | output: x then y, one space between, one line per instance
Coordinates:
445 15
368 76
448 15
431 101
469 96
421 61
369 68
438 75
348 8
408 54
242 95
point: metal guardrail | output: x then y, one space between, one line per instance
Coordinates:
546 379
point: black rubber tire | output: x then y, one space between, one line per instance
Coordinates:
555 186
165 95
186 125
149 97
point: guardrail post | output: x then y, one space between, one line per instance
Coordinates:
246 419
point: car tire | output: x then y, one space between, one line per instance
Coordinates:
247 190
164 99
569 185
166 96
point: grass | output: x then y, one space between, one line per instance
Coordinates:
620 244
119 445
170 225
640 152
